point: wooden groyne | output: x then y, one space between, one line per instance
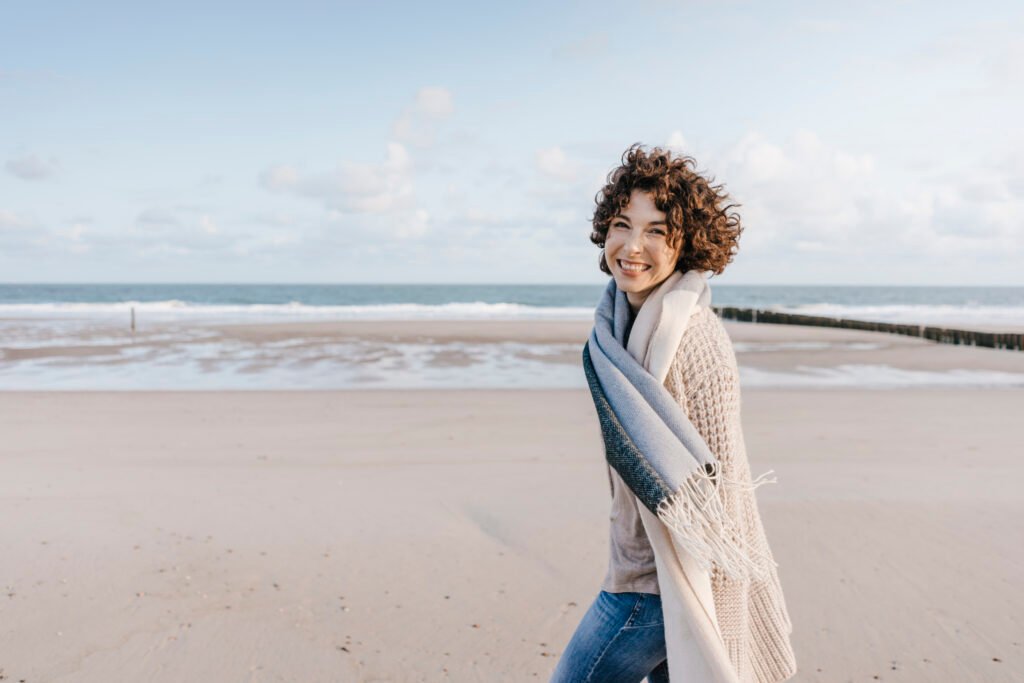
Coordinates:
993 340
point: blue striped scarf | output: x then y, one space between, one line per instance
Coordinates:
648 437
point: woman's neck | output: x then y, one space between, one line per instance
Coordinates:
636 300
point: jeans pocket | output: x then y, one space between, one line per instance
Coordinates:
646 612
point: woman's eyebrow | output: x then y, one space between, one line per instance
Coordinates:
626 218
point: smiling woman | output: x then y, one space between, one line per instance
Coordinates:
678 211
691 585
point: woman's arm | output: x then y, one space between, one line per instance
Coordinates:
704 380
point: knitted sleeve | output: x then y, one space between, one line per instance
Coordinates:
751 614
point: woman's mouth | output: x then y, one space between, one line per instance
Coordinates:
631 267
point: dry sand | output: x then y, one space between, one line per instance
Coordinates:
460 535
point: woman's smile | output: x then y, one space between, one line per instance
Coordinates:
632 268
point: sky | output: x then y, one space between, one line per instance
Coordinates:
865 143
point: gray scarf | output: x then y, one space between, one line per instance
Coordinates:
648 438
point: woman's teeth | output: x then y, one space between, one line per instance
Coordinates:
633 267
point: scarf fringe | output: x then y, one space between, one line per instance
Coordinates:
700 524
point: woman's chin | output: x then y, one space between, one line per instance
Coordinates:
629 284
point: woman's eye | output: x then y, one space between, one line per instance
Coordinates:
658 231
620 225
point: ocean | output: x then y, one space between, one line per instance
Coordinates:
946 306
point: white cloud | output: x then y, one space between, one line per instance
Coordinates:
985 58
361 231
10 221
418 122
20 233
74 238
207 225
373 200
280 177
416 225
273 243
677 143
810 196
553 162
177 230
978 214
352 187
32 167
434 102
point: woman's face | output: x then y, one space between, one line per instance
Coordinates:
636 248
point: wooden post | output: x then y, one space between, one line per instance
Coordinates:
941 335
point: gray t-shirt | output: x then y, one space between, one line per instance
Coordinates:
631 566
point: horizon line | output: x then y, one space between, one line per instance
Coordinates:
480 284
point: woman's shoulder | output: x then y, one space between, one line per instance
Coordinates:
705 347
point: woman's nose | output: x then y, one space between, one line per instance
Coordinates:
634 243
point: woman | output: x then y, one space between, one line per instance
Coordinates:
691 584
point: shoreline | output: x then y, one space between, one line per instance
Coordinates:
327 355
161 320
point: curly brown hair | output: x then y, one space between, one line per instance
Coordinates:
697 212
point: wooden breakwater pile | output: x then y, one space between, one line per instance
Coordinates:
993 340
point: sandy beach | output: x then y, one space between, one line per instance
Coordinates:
295 299
459 534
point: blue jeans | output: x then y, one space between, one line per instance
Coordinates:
620 639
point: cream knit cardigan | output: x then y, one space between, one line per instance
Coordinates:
747 628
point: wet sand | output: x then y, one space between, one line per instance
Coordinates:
382 349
